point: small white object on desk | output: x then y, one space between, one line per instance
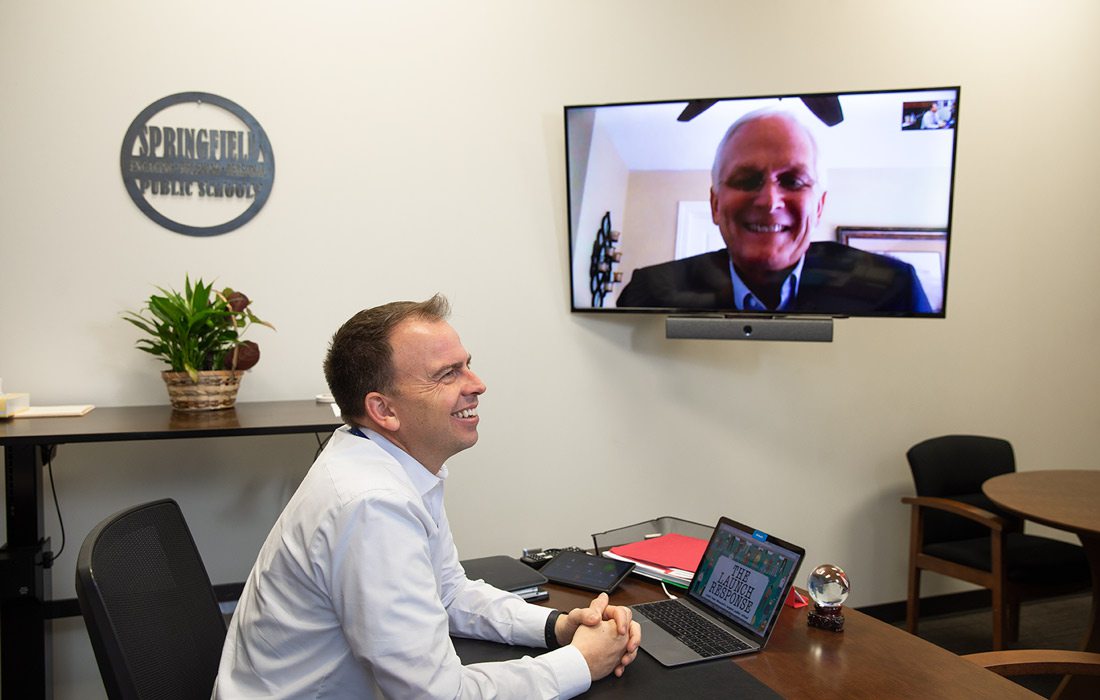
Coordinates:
13 404
328 398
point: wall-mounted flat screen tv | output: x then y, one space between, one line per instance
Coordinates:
824 204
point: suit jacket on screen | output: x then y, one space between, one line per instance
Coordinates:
836 279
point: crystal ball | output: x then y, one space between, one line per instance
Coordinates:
828 586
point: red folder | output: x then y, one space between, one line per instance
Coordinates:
671 551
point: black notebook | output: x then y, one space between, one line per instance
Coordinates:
503 572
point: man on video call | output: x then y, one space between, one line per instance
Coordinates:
358 587
767 195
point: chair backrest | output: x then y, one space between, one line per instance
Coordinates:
956 466
151 613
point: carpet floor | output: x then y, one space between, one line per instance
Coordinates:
1054 623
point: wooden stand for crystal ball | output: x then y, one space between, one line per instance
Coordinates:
826 618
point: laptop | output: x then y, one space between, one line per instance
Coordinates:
732 604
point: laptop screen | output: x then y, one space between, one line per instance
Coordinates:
745 574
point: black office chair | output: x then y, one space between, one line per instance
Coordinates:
149 607
956 531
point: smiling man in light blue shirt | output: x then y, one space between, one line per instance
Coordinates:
358 588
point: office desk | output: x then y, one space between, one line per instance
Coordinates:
1067 499
25 606
870 659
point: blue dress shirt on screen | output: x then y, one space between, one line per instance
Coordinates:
358 588
745 300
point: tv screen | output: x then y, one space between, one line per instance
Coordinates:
825 204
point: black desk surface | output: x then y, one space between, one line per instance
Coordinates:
645 678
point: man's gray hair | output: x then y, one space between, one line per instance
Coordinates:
818 171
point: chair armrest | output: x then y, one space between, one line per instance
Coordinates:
1023 662
979 515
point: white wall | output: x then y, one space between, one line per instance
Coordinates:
419 148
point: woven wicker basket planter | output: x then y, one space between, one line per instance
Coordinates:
215 390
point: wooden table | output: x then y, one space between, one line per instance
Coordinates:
869 659
25 592
1067 499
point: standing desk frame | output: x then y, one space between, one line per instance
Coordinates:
26 606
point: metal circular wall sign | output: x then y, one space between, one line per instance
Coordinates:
197 164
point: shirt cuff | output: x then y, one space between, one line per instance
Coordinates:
570 669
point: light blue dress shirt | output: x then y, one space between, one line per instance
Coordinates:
358 586
745 300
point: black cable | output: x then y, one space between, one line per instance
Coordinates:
320 444
57 504
57 507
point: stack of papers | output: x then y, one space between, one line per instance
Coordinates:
672 558
69 411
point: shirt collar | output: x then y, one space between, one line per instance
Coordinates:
745 300
422 479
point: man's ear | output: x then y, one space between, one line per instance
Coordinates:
820 207
713 207
380 411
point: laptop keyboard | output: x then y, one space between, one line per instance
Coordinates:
701 635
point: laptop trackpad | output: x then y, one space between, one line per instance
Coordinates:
662 646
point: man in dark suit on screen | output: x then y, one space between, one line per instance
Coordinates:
767 195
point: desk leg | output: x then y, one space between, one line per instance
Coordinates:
25 646
1074 687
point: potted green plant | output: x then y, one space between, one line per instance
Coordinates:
198 334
